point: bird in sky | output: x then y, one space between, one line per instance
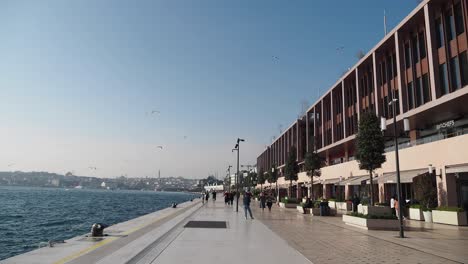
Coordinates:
275 57
340 49
92 168
11 164
159 147
155 112
185 137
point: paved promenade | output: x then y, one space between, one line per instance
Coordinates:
329 240
243 241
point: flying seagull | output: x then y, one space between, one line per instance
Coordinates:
159 147
275 57
155 112
92 168
185 137
11 164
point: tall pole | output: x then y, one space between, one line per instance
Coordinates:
229 175
237 178
397 161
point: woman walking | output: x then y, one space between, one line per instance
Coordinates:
262 201
269 202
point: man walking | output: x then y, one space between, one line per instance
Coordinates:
247 199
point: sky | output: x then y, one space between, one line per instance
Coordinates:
79 79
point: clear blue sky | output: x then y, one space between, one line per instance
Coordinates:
78 77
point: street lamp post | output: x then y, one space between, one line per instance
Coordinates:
229 175
394 104
237 147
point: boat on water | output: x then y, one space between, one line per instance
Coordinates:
79 187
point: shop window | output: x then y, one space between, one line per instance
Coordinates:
464 68
444 85
410 95
449 25
455 74
459 19
407 55
422 45
439 33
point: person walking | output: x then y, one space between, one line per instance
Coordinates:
247 199
269 202
262 200
207 195
231 197
214 196
392 205
396 205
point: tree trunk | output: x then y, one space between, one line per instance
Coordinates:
277 192
312 188
290 188
261 187
371 189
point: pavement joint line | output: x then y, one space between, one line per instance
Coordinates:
86 250
146 251
383 239
395 243
111 239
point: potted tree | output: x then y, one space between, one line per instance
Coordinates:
426 192
261 178
273 178
370 147
312 164
291 168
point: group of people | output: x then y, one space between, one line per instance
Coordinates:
266 199
206 196
229 197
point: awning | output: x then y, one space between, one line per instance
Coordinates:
331 181
405 176
355 180
456 168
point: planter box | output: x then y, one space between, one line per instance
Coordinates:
288 205
374 210
344 206
449 218
416 214
371 224
316 211
332 204
302 210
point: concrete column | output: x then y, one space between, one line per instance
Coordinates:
299 191
315 129
325 192
381 192
376 90
430 52
348 191
398 62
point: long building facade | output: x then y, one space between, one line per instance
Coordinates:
423 64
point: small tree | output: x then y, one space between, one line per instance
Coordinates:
312 164
253 178
370 146
261 178
273 176
291 168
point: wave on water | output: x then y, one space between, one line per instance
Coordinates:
30 216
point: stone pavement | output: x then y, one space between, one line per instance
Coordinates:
243 241
329 240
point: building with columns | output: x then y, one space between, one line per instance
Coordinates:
423 64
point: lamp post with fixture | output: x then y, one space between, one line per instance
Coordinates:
394 104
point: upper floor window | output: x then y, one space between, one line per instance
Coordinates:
407 55
464 68
459 18
422 45
444 85
440 33
450 25
455 73
415 46
410 95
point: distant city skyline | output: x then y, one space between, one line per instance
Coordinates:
114 88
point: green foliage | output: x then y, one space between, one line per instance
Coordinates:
370 143
291 168
272 174
316 204
385 216
261 177
365 201
425 190
287 200
256 192
313 163
449 209
416 206
382 204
